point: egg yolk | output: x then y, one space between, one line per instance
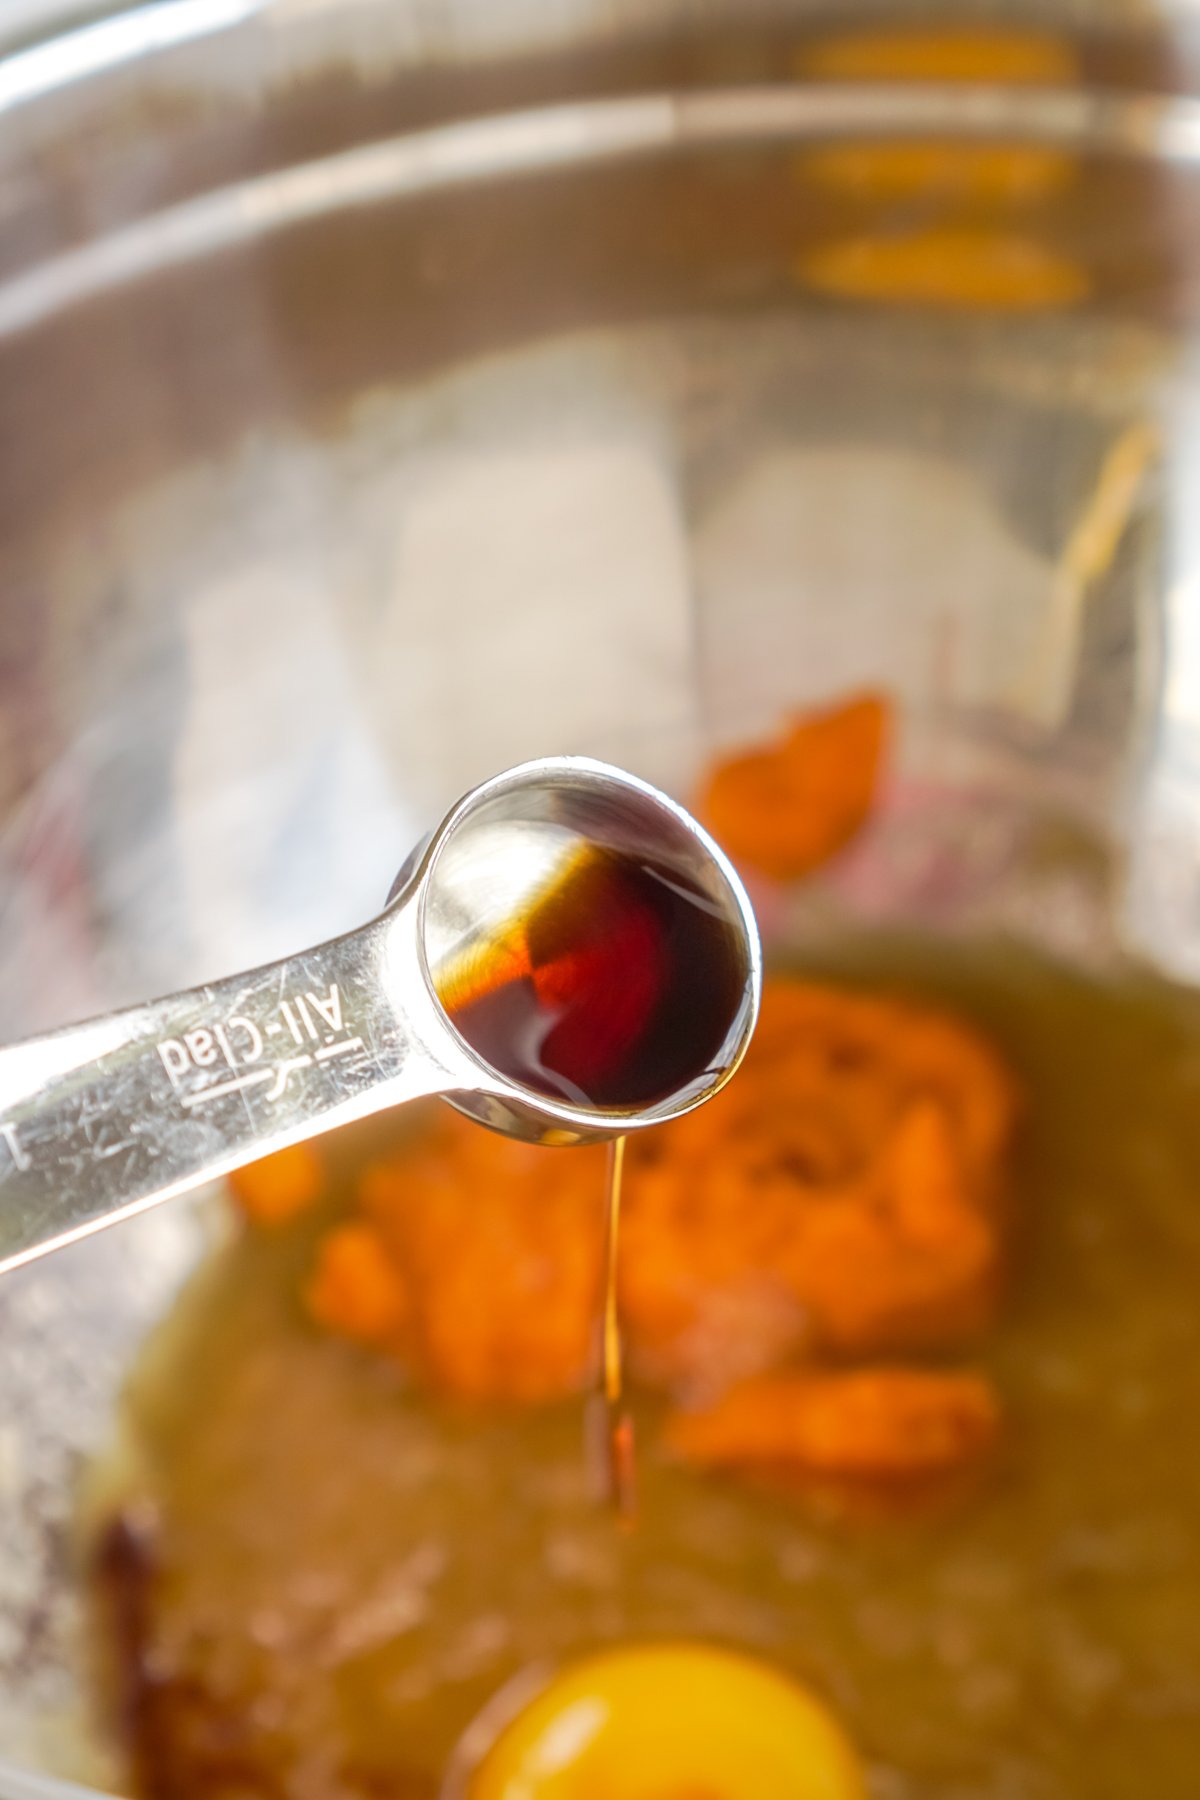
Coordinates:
670 1722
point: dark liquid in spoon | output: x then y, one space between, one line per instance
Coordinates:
615 988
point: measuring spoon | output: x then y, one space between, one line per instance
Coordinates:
103 1119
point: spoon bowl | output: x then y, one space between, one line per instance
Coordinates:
575 878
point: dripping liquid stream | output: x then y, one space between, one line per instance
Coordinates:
613 1431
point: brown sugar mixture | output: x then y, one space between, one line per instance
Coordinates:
910 1325
845 1193
959 1503
786 807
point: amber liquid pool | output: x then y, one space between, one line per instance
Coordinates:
616 988
334 1575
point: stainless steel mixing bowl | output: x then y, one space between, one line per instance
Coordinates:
391 392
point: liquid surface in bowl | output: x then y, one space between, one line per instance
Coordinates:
312 1576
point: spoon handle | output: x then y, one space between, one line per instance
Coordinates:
102 1119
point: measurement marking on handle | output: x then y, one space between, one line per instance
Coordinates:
225 1087
284 1074
21 1161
